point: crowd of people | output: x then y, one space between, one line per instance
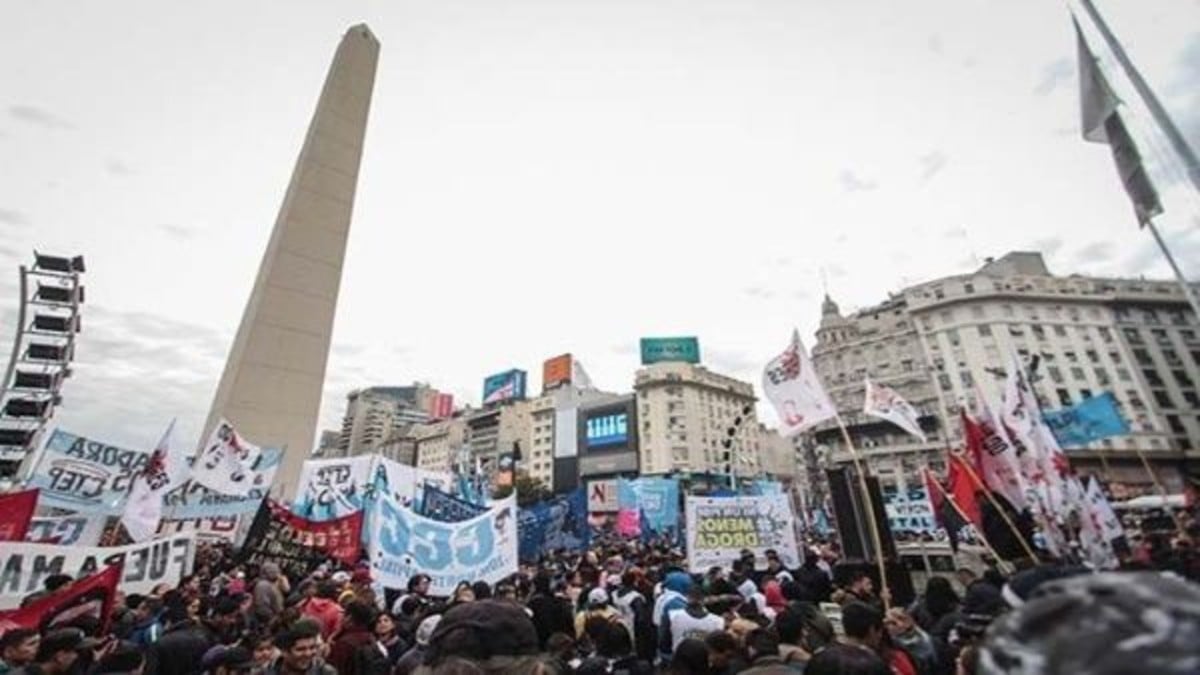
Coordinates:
632 608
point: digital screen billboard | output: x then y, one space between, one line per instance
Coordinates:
555 371
681 349
504 386
607 430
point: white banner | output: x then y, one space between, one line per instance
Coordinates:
883 402
602 496
403 544
719 528
212 529
332 488
791 384
86 475
226 463
24 566
66 530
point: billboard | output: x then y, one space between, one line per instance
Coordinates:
504 386
441 406
602 496
556 371
683 349
607 430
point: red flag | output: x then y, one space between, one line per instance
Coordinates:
90 596
16 510
947 517
961 489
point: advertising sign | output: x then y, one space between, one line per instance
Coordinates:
556 371
505 386
681 349
607 430
24 566
718 528
603 496
404 543
441 406
82 474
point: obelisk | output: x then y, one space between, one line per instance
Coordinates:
271 387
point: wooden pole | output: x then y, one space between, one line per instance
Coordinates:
885 593
996 505
978 530
1162 491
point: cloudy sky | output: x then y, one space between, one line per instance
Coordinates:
545 176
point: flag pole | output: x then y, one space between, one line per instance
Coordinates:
995 504
885 593
931 478
1188 291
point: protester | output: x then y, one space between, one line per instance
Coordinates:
183 645
354 650
415 656
552 612
388 638
58 653
598 607
18 648
692 621
789 625
863 625
299 652
915 642
324 608
846 660
689 658
725 655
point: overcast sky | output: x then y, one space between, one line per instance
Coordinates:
545 176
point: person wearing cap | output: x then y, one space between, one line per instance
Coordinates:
18 648
598 607
416 655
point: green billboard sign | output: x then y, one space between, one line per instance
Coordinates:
657 350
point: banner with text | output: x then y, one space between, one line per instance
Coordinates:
86 475
193 501
446 508
718 528
299 545
209 528
66 530
25 566
404 543
332 488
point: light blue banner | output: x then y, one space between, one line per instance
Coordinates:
1094 419
656 498
86 475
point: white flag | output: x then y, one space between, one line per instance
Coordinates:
579 376
792 386
1102 511
164 472
1098 526
883 402
227 463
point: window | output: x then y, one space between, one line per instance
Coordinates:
1152 378
1143 357
1102 377
1160 336
969 287
1172 357
1071 357
1189 336
944 381
1150 316
1077 373
1064 397
1176 424
1055 374
1038 332
952 335
1196 356
1123 375
1093 356
984 330
1161 398
1182 378
1135 401
1015 330
967 380
1115 356
1085 393
1105 334
1132 335
1192 399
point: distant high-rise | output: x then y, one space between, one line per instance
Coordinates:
271 387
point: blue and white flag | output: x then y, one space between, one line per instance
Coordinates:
557 523
1092 420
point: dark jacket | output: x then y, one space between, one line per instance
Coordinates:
345 647
769 665
551 614
179 650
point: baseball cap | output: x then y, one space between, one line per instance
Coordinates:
597 596
426 628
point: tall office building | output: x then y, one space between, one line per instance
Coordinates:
272 383
940 342
376 414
